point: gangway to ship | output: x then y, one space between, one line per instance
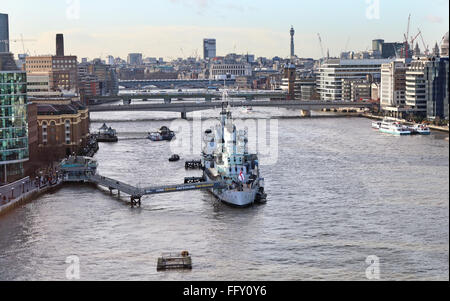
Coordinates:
137 193
84 170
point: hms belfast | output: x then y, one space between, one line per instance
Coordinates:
225 158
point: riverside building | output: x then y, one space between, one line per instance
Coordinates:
332 73
393 88
14 150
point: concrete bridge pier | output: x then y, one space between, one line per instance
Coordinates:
305 113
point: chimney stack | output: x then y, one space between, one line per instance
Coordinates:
59 44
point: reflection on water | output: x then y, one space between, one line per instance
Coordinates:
339 193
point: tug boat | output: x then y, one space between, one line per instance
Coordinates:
174 158
164 134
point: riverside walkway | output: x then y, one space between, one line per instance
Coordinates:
14 194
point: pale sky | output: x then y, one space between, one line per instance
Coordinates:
176 28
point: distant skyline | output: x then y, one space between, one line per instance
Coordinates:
176 28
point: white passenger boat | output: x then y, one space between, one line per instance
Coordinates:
394 128
376 125
420 129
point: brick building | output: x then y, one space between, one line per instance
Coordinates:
63 129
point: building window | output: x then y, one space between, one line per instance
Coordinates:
44 133
67 123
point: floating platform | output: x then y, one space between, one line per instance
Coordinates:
172 261
195 164
194 180
107 138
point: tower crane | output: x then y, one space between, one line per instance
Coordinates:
22 40
406 37
413 39
321 45
427 49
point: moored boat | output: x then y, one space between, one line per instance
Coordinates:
106 134
226 159
420 129
164 134
394 128
376 125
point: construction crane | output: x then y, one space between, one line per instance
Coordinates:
22 40
346 44
413 39
427 49
406 37
321 45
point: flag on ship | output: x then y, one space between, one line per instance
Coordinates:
241 176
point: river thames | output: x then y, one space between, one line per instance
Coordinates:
338 193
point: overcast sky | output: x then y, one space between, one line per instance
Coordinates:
176 28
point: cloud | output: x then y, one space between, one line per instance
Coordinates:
434 19
193 3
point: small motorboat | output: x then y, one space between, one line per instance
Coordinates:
174 158
247 109
420 129
164 134
376 125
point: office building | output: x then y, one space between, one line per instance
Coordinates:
39 85
14 151
356 90
209 48
444 46
135 59
4 33
437 88
427 87
377 45
61 70
331 74
305 88
393 88
230 71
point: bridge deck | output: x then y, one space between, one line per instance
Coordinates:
193 106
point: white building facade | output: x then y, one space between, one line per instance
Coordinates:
333 71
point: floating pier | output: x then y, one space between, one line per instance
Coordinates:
83 169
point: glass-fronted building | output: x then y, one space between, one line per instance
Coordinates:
13 125
4 33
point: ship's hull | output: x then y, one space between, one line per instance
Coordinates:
392 132
233 197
